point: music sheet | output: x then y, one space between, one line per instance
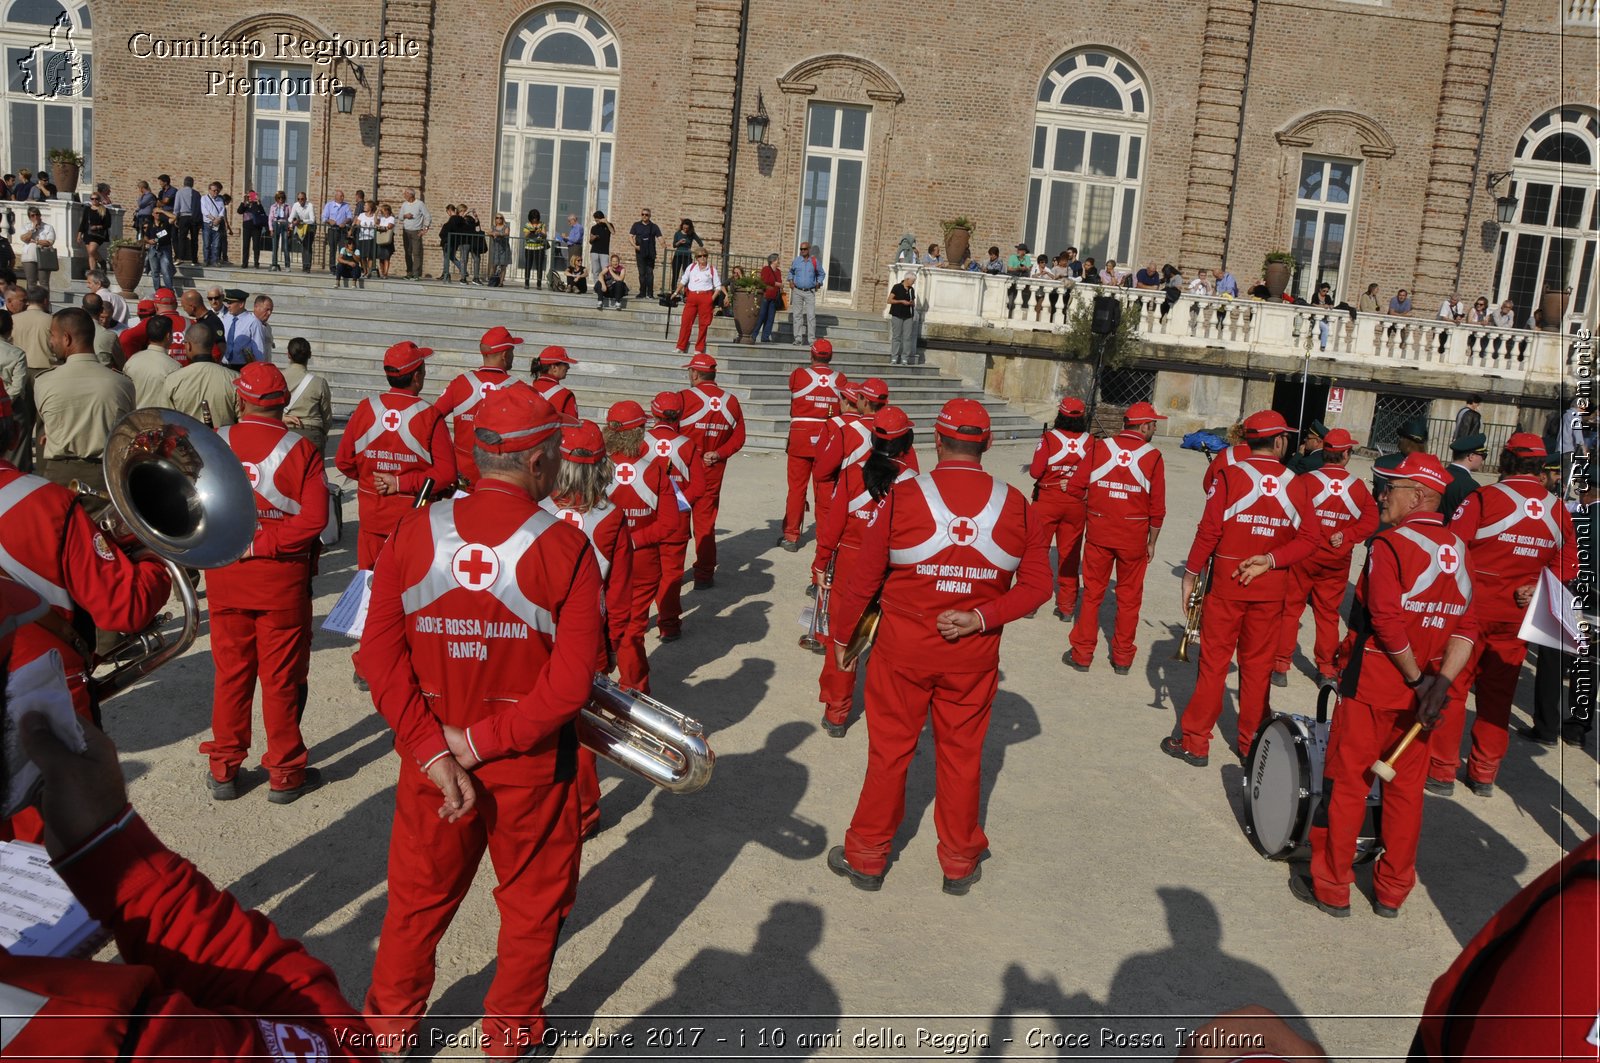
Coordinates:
39 916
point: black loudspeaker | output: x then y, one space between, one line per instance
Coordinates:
1107 315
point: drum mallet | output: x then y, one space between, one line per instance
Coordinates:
1384 769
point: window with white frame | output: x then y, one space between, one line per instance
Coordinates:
1550 246
48 84
831 195
1090 131
280 144
1324 210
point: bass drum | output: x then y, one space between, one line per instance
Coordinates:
1283 785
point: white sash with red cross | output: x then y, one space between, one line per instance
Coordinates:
399 422
672 449
1271 485
1443 561
11 495
1334 487
263 474
630 475
1121 459
824 380
480 391
586 522
709 404
480 567
975 532
1522 508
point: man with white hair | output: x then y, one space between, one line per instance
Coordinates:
95 280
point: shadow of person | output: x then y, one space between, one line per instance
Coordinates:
1061 1016
753 801
1532 778
777 977
1466 866
1171 680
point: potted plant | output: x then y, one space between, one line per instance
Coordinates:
127 262
747 293
957 240
1276 269
64 166
1553 307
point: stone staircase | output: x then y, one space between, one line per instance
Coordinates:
622 354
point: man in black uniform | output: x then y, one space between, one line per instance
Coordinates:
1309 454
1467 455
1411 439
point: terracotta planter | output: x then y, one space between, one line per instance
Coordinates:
1277 278
957 242
1552 308
128 265
65 176
746 311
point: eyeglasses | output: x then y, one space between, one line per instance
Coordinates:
214 298
702 256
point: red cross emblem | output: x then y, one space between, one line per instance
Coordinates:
252 472
1534 509
475 567
715 403
1269 485
962 531
663 448
286 1041
1075 447
1124 458
625 474
1336 486
1449 560
391 419
571 516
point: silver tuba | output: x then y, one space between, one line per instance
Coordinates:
176 487
640 735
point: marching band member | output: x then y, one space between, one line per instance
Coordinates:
813 398
1344 514
481 641
462 395
549 370
1232 456
392 445
1061 449
1123 486
1512 529
938 646
847 439
1248 512
581 497
682 455
712 418
1411 632
861 493
641 486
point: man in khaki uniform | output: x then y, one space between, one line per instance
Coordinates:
30 327
79 402
310 409
19 385
107 351
150 368
203 389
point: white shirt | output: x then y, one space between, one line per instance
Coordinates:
211 209
119 305
367 223
302 214
43 231
1449 311
701 279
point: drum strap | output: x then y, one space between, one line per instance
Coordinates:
1360 624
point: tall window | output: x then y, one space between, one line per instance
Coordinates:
280 148
1551 244
1323 205
1089 134
558 117
831 195
47 86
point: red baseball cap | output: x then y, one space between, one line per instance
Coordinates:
1142 413
822 351
846 390
873 389
262 384
668 404
703 362
19 607
964 419
1070 407
164 295
625 415
498 338
583 443
1423 468
514 419
555 356
146 308
1338 441
404 357
891 422
1264 425
1526 445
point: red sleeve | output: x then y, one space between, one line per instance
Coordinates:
830 452
910 459
847 603
1467 626
299 533
1037 467
736 436
1565 563
168 916
696 488
1383 600
1077 485
1035 580
1158 492
443 470
345 458
455 393
385 660
831 528
1209 533
1367 523
132 340
619 583
1467 517
118 593
562 689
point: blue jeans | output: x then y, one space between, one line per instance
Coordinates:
769 317
280 244
213 238
158 260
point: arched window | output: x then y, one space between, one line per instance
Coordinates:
1551 243
558 117
1090 129
45 97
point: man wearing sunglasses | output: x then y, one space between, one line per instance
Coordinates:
805 278
644 233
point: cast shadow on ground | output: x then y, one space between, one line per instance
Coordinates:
1467 867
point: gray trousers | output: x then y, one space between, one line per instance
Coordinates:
903 339
803 315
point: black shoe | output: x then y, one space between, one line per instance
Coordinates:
704 584
1573 737
1280 679
1063 617
1383 911
792 545
835 730
1442 789
1532 734
1121 669
959 887
1482 789
1066 659
1173 747
1300 886
312 780
840 866
673 637
361 684
222 789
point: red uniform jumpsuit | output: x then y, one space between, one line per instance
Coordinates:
1414 591
712 418
1334 501
485 615
606 530
461 397
558 395
1250 511
48 545
261 604
1054 460
688 472
1527 986
396 432
954 538
1123 485
839 541
201 978
641 487
1230 457
1512 529
134 339
813 398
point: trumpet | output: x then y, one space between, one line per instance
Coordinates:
1192 610
639 734
819 613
